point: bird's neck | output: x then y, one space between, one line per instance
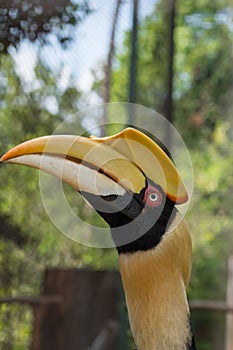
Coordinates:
155 287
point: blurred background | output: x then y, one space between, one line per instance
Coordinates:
59 57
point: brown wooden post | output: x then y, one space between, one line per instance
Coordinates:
90 300
229 315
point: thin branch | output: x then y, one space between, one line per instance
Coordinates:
210 305
32 301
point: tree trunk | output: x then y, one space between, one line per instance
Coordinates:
108 67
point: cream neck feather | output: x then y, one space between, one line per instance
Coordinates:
155 287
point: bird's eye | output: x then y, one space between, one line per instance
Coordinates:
153 197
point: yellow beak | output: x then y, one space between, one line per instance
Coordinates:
112 164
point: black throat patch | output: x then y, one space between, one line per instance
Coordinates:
151 227
135 223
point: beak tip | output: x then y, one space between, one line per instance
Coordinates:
3 158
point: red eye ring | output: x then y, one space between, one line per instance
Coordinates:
153 197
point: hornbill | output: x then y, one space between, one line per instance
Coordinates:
135 186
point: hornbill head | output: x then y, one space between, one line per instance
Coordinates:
128 178
134 185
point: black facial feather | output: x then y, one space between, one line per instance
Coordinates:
154 222
134 224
